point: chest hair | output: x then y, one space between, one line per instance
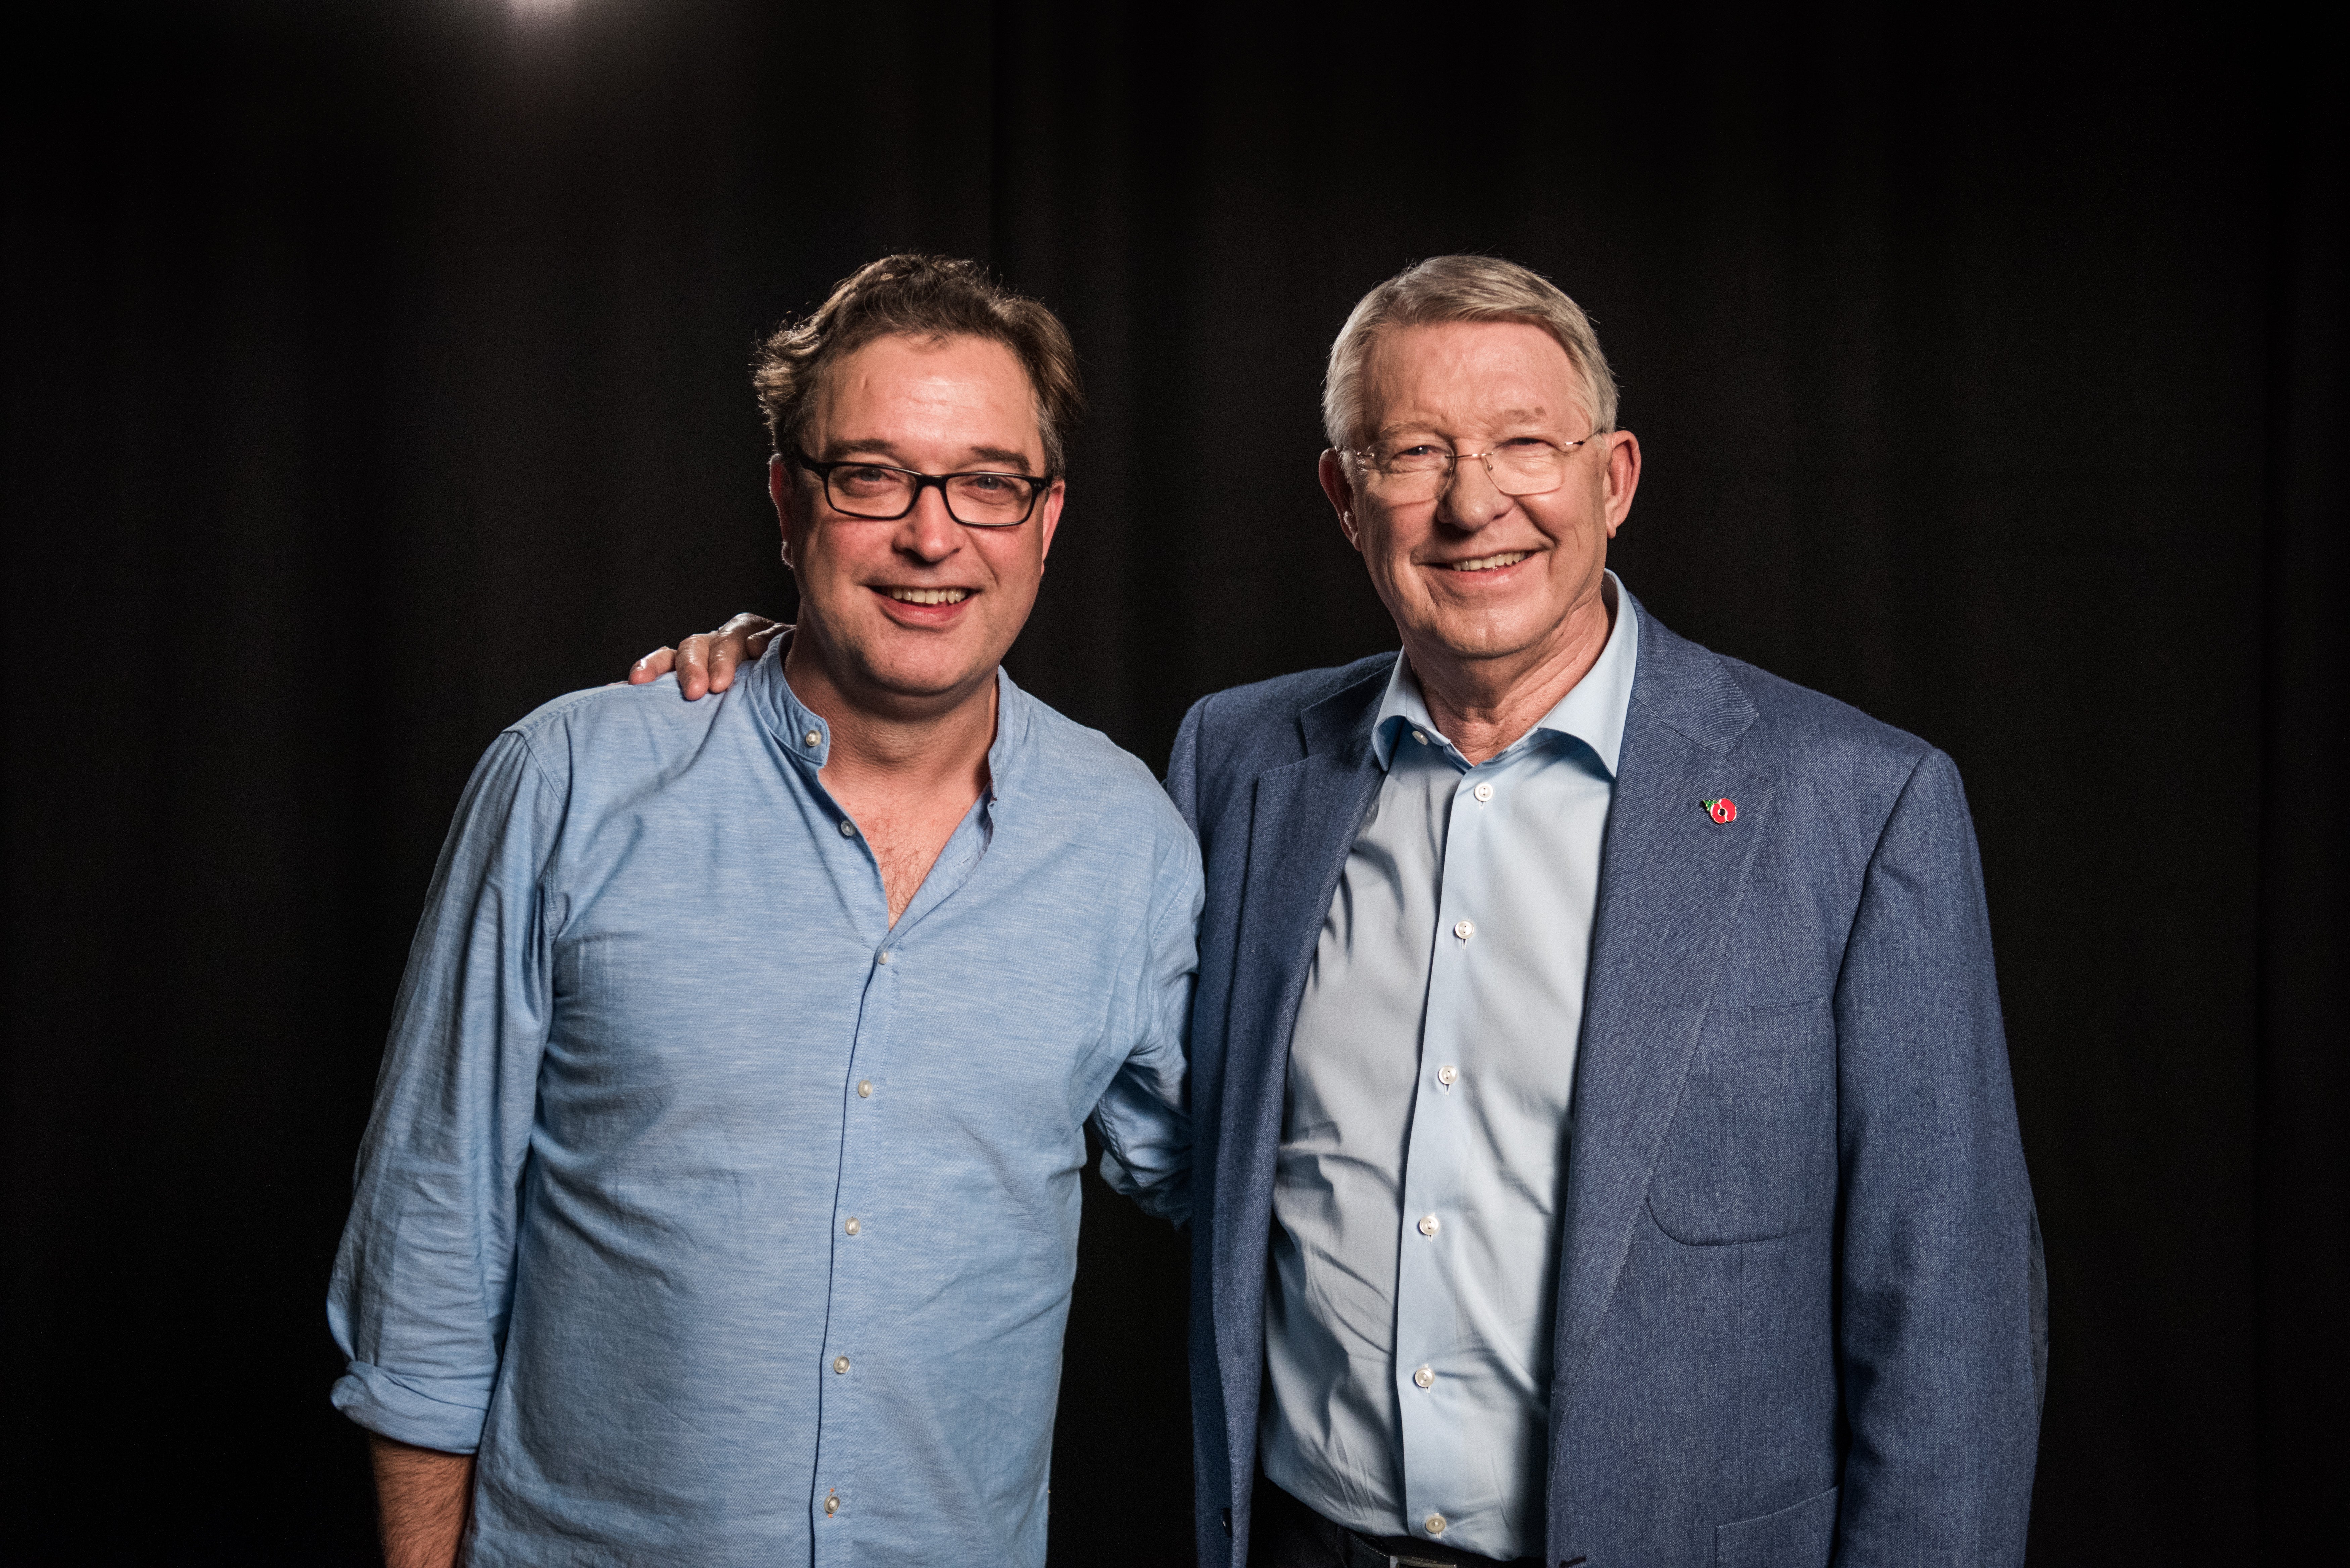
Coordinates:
907 845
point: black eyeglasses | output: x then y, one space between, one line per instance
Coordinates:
880 493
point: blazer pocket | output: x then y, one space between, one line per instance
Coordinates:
1751 1150
1797 1537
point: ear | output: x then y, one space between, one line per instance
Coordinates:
1052 507
786 498
1341 491
1623 477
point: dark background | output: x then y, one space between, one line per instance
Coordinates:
375 372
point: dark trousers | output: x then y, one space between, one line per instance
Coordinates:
1286 1533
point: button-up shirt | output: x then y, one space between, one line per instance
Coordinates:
1423 1153
729 1223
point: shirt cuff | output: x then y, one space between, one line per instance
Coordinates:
398 1409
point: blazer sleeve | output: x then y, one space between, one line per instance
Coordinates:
1942 1327
424 1276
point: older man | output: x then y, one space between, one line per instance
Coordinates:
1606 1154
694 1246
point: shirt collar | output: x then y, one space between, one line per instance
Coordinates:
1593 712
806 738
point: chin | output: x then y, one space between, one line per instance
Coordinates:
922 673
1485 637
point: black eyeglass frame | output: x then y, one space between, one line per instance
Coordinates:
1037 483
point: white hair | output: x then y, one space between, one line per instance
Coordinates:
1459 289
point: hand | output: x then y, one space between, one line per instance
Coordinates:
707 661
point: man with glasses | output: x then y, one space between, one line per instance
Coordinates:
1605 1153
694 1244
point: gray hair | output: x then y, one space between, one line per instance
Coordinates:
1460 288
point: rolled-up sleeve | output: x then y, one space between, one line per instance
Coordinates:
1143 1117
423 1279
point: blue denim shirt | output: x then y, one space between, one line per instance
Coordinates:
728 1223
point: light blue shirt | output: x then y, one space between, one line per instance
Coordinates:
1423 1154
730 1225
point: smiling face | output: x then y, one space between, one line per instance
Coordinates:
1474 578
911 616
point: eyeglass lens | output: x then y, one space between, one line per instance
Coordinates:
1518 468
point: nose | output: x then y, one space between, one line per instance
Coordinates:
930 533
1470 500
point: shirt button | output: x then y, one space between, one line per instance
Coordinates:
831 1503
851 1226
840 1365
1423 1377
883 957
1419 736
864 1088
1447 1075
848 830
812 737
1434 1524
1483 792
1464 929
1428 1226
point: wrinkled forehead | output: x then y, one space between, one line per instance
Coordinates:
1471 376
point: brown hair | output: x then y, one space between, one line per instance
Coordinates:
920 296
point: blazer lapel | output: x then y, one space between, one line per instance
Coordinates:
1303 821
1671 879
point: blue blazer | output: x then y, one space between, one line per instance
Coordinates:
1801 1310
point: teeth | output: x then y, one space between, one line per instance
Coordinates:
1488 563
929 595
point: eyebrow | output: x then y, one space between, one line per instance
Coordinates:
840 450
1018 460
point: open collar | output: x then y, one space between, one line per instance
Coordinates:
1592 711
806 737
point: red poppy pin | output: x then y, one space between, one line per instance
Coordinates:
1722 810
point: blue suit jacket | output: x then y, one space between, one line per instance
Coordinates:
1801 1315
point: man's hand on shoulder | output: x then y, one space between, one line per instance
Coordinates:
707 660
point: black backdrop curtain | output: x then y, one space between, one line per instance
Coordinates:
375 372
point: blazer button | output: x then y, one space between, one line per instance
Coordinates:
1227 1522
